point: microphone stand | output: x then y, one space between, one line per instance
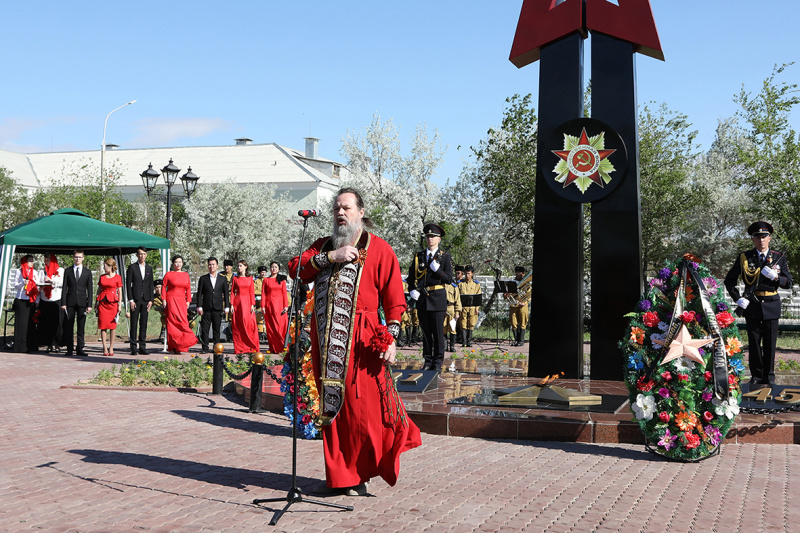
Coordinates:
295 495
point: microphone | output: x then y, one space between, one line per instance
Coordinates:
305 213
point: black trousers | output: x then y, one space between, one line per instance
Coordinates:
50 324
762 336
432 324
75 314
213 319
139 320
24 328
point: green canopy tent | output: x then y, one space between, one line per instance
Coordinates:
66 230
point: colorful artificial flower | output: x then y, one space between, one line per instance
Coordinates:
714 435
666 376
645 386
689 294
708 375
650 319
644 305
707 395
685 420
644 407
692 440
663 416
668 441
663 392
733 345
728 408
663 326
737 365
664 273
722 306
683 377
711 286
635 362
724 319
637 335
687 317
708 416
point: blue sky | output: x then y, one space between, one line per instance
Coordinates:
206 72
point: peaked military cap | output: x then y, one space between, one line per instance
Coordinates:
760 228
432 229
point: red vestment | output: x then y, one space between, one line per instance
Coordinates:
243 320
176 293
367 436
273 301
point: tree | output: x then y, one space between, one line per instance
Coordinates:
235 222
771 158
397 189
17 206
77 188
666 149
506 162
714 227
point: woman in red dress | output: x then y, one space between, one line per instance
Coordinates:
243 312
109 302
176 293
275 304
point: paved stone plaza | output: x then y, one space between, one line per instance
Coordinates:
113 461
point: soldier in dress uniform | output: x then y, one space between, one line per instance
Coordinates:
763 271
469 313
430 272
518 307
452 315
459 270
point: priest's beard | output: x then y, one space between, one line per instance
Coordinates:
345 234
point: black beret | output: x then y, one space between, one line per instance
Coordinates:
469 268
227 262
261 269
519 269
459 268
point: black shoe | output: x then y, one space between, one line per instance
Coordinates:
133 352
142 351
68 353
203 349
83 352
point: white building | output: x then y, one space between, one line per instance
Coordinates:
308 179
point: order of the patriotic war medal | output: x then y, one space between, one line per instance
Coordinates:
584 160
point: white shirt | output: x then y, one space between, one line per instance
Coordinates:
431 253
19 286
57 281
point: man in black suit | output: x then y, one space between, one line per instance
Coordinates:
212 300
140 298
763 271
430 272
76 300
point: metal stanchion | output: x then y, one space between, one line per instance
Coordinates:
216 384
256 382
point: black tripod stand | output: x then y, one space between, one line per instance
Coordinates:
295 494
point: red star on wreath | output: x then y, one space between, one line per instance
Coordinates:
584 161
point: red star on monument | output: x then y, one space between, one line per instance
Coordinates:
583 160
684 345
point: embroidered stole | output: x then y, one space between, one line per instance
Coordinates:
336 291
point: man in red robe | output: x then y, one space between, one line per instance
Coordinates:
365 424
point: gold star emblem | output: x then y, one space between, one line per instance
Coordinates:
684 345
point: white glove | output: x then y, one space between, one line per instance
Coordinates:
227 309
435 266
743 303
414 294
769 272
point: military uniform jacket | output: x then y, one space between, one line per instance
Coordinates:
430 284
765 303
453 300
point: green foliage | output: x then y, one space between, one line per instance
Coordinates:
167 373
17 205
771 159
78 187
506 161
665 153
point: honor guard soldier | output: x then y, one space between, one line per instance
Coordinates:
763 271
469 313
430 272
518 305
452 315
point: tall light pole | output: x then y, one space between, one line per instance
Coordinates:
170 172
102 159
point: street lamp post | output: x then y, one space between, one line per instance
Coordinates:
103 157
170 172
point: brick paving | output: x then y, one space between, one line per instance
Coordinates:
76 460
